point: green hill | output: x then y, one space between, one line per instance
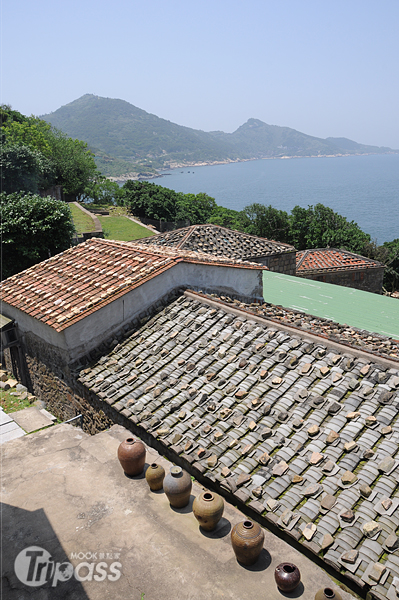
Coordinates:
128 139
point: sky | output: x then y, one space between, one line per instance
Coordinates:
325 67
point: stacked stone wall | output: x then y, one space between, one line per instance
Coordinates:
283 263
368 280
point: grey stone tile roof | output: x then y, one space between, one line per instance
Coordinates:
299 432
219 241
344 334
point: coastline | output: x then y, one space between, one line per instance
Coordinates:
183 165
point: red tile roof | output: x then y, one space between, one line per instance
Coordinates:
70 286
331 259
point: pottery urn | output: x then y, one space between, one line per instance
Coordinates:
177 486
155 475
247 540
208 510
287 576
328 594
131 455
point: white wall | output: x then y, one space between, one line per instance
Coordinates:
91 331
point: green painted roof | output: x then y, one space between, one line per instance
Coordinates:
363 310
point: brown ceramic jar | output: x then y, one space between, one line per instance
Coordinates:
247 540
154 476
328 594
177 486
287 577
208 510
131 454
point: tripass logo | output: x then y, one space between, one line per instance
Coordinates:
34 566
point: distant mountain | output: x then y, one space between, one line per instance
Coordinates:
126 138
355 148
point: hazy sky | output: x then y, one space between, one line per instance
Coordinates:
325 67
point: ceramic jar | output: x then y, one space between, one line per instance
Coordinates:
208 510
131 454
328 594
154 476
287 576
177 486
247 540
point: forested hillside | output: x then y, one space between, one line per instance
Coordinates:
126 138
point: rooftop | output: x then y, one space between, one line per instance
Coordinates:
366 311
332 259
304 433
73 284
218 241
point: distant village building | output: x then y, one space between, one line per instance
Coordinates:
340 267
220 241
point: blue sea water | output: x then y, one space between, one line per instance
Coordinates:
364 189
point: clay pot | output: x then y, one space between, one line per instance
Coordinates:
154 476
131 454
287 577
177 486
247 540
208 510
328 594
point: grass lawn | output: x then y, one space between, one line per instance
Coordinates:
12 403
123 229
81 221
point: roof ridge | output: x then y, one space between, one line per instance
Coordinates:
250 235
305 252
187 236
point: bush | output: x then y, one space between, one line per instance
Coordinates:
32 229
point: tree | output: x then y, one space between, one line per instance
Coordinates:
145 199
32 229
227 217
28 133
156 202
103 191
196 208
23 168
320 227
36 156
388 254
267 222
74 165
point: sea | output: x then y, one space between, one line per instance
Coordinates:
364 189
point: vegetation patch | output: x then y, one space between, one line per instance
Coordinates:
81 220
122 229
10 403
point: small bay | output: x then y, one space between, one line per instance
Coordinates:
364 189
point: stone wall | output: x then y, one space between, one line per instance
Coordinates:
165 225
51 376
279 263
368 280
50 379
